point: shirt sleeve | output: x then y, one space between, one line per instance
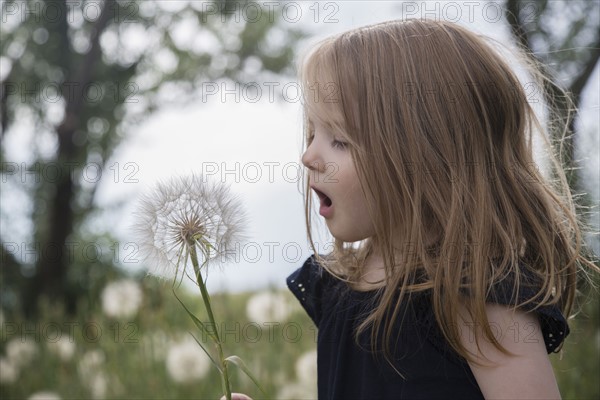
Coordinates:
552 322
306 283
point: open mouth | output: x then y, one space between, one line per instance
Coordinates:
325 200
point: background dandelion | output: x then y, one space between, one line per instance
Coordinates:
305 387
122 299
295 391
186 362
94 376
268 307
306 368
64 347
45 395
90 364
21 351
9 372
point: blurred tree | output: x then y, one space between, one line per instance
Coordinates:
75 76
564 39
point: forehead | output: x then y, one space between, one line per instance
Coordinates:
328 91
325 114
322 103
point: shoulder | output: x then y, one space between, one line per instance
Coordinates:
308 283
309 277
525 370
551 323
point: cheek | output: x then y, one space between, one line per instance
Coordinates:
364 224
360 212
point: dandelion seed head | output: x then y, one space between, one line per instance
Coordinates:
90 363
268 307
121 299
306 368
44 396
21 352
306 385
186 362
98 385
64 347
295 391
9 372
186 214
92 374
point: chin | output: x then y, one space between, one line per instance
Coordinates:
348 237
350 234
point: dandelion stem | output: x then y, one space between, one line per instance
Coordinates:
211 317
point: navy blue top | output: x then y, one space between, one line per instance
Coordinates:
430 368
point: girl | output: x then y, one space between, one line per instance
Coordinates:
455 259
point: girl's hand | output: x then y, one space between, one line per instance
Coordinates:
237 396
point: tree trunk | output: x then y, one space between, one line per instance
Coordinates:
53 262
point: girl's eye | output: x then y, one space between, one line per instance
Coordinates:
310 135
338 144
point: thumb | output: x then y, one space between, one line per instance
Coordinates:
237 396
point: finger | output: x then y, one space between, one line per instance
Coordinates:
237 396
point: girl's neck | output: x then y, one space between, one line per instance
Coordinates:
373 269
373 276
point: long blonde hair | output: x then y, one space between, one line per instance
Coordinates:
440 131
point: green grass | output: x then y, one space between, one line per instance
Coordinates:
134 365
577 367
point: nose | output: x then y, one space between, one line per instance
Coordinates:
310 158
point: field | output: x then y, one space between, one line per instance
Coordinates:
138 345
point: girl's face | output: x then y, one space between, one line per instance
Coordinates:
333 177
